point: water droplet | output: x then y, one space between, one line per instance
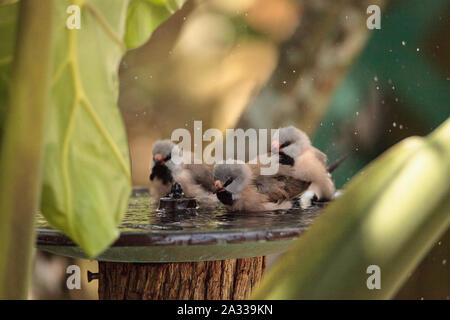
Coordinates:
444 262
375 79
403 43
394 124
417 49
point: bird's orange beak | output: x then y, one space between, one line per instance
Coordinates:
158 158
276 146
218 186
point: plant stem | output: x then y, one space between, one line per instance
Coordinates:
21 156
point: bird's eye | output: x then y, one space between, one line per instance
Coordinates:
227 183
168 157
285 144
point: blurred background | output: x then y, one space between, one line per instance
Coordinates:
269 63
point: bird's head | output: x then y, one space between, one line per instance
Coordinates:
290 144
162 167
230 180
162 152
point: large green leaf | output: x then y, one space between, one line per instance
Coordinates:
390 215
87 172
86 169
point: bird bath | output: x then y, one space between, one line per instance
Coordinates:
191 255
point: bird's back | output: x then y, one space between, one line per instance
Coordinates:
278 187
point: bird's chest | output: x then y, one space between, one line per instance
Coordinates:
161 173
285 159
226 198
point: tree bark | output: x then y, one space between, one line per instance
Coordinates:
207 280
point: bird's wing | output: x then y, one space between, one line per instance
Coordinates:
279 187
202 175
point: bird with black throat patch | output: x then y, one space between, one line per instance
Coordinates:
240 187
299 159
196 180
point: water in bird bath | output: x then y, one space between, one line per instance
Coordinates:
142 216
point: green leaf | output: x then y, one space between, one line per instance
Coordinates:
144 16
87 172
390 215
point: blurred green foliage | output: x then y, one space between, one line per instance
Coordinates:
7 34
22 142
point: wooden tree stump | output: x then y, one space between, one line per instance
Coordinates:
207 280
